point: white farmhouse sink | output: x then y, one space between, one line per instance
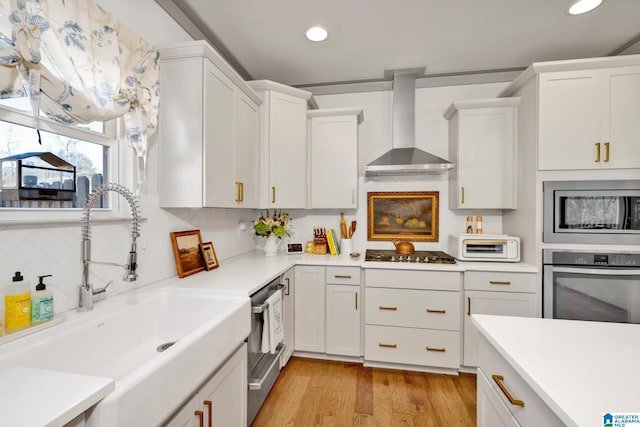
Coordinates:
120 338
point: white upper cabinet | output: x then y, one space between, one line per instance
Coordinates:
589 119
209 131
483 146
333 142
283 145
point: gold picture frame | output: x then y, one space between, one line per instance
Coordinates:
403 215
209 256
186 250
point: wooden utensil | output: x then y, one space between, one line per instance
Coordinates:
343 226
353 228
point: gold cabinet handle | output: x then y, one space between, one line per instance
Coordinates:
209 405
462 195
338 276
439 350
606 152
597 152
387 345
239 191
499 282
432 310
468 306
356 300
200 416
381 307
499 380
273 194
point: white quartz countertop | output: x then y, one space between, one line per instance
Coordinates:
580 369
248 272
47 398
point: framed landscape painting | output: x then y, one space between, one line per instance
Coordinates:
186 250
403 215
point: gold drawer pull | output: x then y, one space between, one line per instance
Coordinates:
515 402
606 152
441 350
499 282
597 152
338 276
209 405
381 307
387 345
200 416
273 194
441 311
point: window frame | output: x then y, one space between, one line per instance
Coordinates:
117 159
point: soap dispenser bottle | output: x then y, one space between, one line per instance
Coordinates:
17 304
41 302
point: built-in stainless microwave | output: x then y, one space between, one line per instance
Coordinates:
599 212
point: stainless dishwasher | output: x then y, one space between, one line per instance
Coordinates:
263 368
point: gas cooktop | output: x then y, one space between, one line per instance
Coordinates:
430 257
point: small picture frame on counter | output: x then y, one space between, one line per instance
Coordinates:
186 250
209 256
295 248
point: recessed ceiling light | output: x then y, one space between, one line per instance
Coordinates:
316 34
583 6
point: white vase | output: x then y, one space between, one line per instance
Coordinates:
271 245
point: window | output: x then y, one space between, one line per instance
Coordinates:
58 174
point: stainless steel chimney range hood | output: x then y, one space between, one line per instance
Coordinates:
404 158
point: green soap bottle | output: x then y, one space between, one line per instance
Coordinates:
41 302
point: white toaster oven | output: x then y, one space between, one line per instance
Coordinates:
484 247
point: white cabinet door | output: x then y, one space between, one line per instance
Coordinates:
245 159
490 410
288 279
222 400
569 119
620 124
498 303
343 320
587 119
333 138
483 145
218 155
309 328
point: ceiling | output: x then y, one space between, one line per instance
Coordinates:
265 39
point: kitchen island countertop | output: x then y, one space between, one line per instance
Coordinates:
580 369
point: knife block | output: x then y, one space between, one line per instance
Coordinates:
320 245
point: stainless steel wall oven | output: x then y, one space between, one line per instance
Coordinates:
601 212
596 286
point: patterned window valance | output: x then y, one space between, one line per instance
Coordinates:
78 64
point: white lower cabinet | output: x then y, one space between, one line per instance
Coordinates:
288 295
504 397
328 310
491 412
498 293
309 327
222 401
413 318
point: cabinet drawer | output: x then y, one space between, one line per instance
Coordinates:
343 275
534 412
412 346
413 308
500 281
412 279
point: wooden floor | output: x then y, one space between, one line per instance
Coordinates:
312 392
